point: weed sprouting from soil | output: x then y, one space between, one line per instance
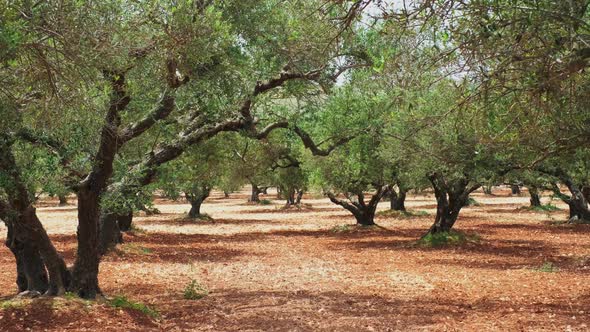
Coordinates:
194 291
402 214
545 208
547 267
124 303
450 238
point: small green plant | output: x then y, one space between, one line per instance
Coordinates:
402 214
132 248
341 228
265 202
545 208
124 303
70 296
194 291
472 202
450 238
547 267
12 304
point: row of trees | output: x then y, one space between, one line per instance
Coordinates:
113 100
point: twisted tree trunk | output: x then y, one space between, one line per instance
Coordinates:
535 197
364 212
397 201
196 199
450 198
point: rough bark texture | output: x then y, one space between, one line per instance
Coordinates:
535 197
196 199
515 189
254 196
85 271
30 269
397 201
27 234
364 212
450 198
577 202
294 196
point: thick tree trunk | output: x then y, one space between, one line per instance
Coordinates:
299 196
110 232
586 193
196 199
577 202
111 227
225 194
364 212
30 269
515 189
254 195
487 190
63 200
450 198
365 217
397 201
85 271
27 229
535 198
290 197
195 211
125 221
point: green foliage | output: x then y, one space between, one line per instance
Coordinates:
135 249
341 229
545 208
547 267
194 291
123 302
265 202
408 214
451 238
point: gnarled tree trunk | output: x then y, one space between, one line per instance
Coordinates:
27 235
535 197
63 200
364 212
515 189
254 196
397 201
450 198
196 199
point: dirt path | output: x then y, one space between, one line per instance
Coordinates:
270 270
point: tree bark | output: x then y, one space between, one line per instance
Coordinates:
364 212
27 228
195 210
63 200
196 199
535 198
30 269
487 190
397 201
515 189
85 271
299 196
254 195
450 198
586 193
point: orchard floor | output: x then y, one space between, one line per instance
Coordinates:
300 270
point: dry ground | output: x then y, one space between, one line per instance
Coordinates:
267 269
